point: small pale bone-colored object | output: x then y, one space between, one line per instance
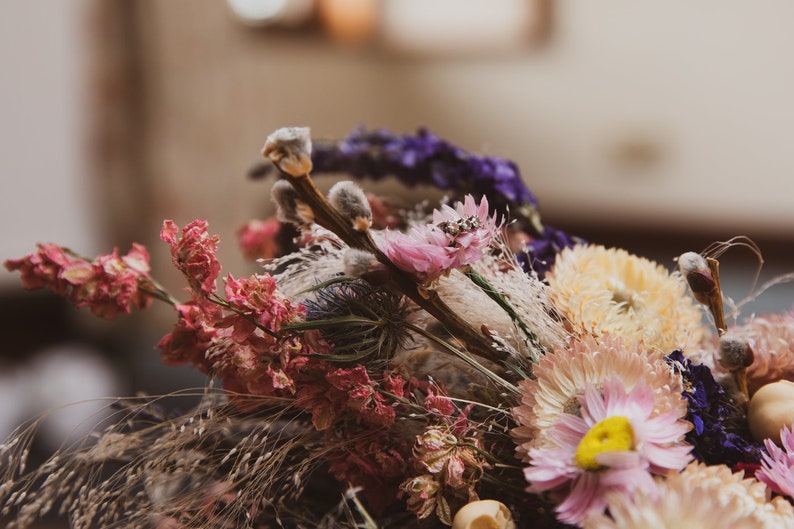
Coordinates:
483 514
771 408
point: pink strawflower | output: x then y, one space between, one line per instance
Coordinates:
257 238
560 378
194 254
615 444
777 465
456 237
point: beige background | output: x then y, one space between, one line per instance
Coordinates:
659 114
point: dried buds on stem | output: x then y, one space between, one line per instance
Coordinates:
290 151
736 356
703 277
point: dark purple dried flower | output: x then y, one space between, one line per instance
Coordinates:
426 159
540 252
720 432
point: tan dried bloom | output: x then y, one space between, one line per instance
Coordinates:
706 497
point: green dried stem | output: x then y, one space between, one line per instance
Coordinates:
536 349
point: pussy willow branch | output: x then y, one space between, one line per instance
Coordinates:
327 217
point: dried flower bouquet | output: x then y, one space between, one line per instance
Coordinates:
387 368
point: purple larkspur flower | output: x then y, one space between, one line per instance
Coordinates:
540 252
719 435
424 158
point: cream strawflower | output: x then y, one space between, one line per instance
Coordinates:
560 379
607 290
706 497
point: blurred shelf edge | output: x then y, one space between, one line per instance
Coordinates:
415 28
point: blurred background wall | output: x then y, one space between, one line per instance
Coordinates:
657 126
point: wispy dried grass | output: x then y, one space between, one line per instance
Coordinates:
210 468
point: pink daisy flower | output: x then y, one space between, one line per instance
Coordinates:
457 237
777 465
615 444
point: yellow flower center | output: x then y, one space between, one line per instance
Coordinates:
613 434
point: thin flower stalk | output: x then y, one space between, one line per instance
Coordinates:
501 382
536 349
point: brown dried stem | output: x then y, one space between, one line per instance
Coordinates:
717 310
715 298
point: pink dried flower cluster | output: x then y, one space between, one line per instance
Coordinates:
258 238
109 285
447 465
364 447
193 253
235 345
372 459
456 237
240 345
330 393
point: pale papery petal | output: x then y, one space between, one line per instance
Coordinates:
664 458
642 398
593 406
585 496
787 439
665 428
629 479
569 431
621 459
